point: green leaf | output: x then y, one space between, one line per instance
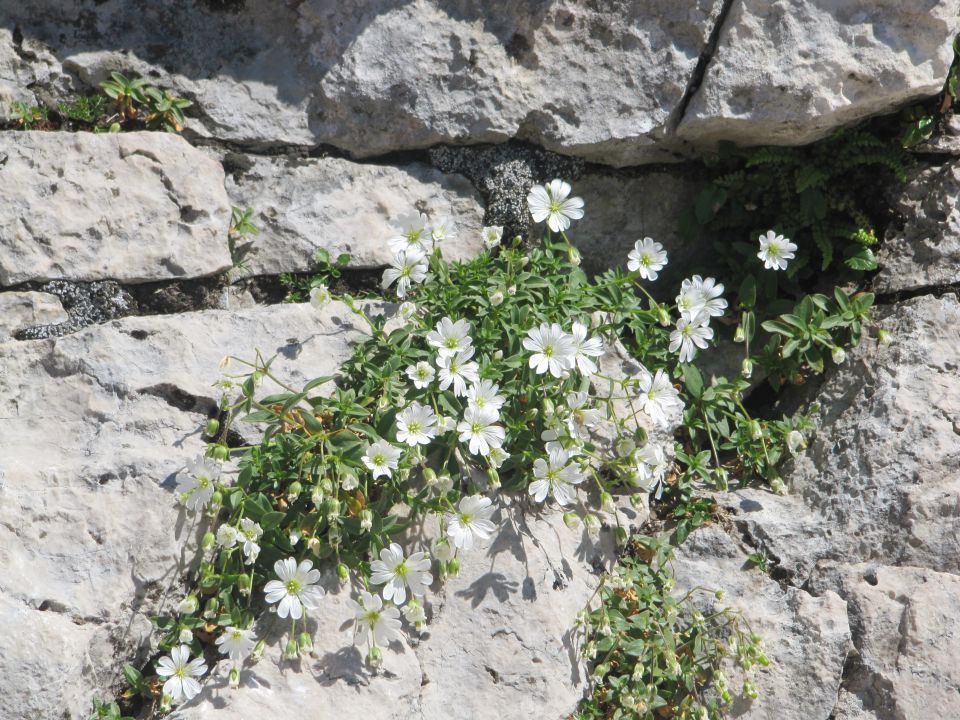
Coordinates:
272 519
693 380
863 259
748 293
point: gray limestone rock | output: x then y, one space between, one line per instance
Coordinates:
131 207
303 204
922 247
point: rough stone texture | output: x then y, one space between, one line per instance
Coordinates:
19 310
906 637
499 643
787 72
922 248
94 427
621 209
130 207
806 638
878 482
343 206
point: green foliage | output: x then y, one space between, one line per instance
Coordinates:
87 109
326 272
127 94
239 238
760 560
28 117
164 111
655 653
920 121
815 195
103 710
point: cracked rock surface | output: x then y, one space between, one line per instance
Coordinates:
94 427
129 207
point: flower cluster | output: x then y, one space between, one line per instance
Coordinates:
506 365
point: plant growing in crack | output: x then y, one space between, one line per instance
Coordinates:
240 239
499 377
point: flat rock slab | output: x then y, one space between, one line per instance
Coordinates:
94 427
904 621
19 310
806 638
789 72
922 246
879 480
304 204
132 207
500 642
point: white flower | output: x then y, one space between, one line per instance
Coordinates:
414 613
250 532
581 417
658 396
406 267
197 488
421 374
552 349
492 236
381 458
227 536
458 370
647 257
839 355
555 476
413 234
320 296
442 230
450 337
471 523
417 425
651 466
380 625
775 251
479 429
297 588
551 203
485 394
408 310
585 348
180 672
689 333
397 573
498 456
701 296
237 643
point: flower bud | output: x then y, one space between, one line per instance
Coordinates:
212 608
293 492
189 605
795 441
314 545
429 477
571 520
740 335
496 298
244 583
512 290
884 337
257 652
573 255
756 432
549 409
185 636
719 594
213 427
664 317
443 550
234 679
407 310
746 369
606 503
722 477
166 701
209 540
294 537
305 642
498 355
453 567
349 481
839 355
291 651
621 536
220 453
592 523
637 500
524 261
366 520
375 657
778 486
343 572
493 478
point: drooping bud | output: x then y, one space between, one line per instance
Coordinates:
664 316
212 608
185 636
257 652
213 427
244 583
375 657
293 492
756 431
571 520
795 441
291 651
746 369
453 567
839 355
234 679
220 453
494 477
209 540
343 572
305 642
366 520
189 605
606 503
884 337
740 335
